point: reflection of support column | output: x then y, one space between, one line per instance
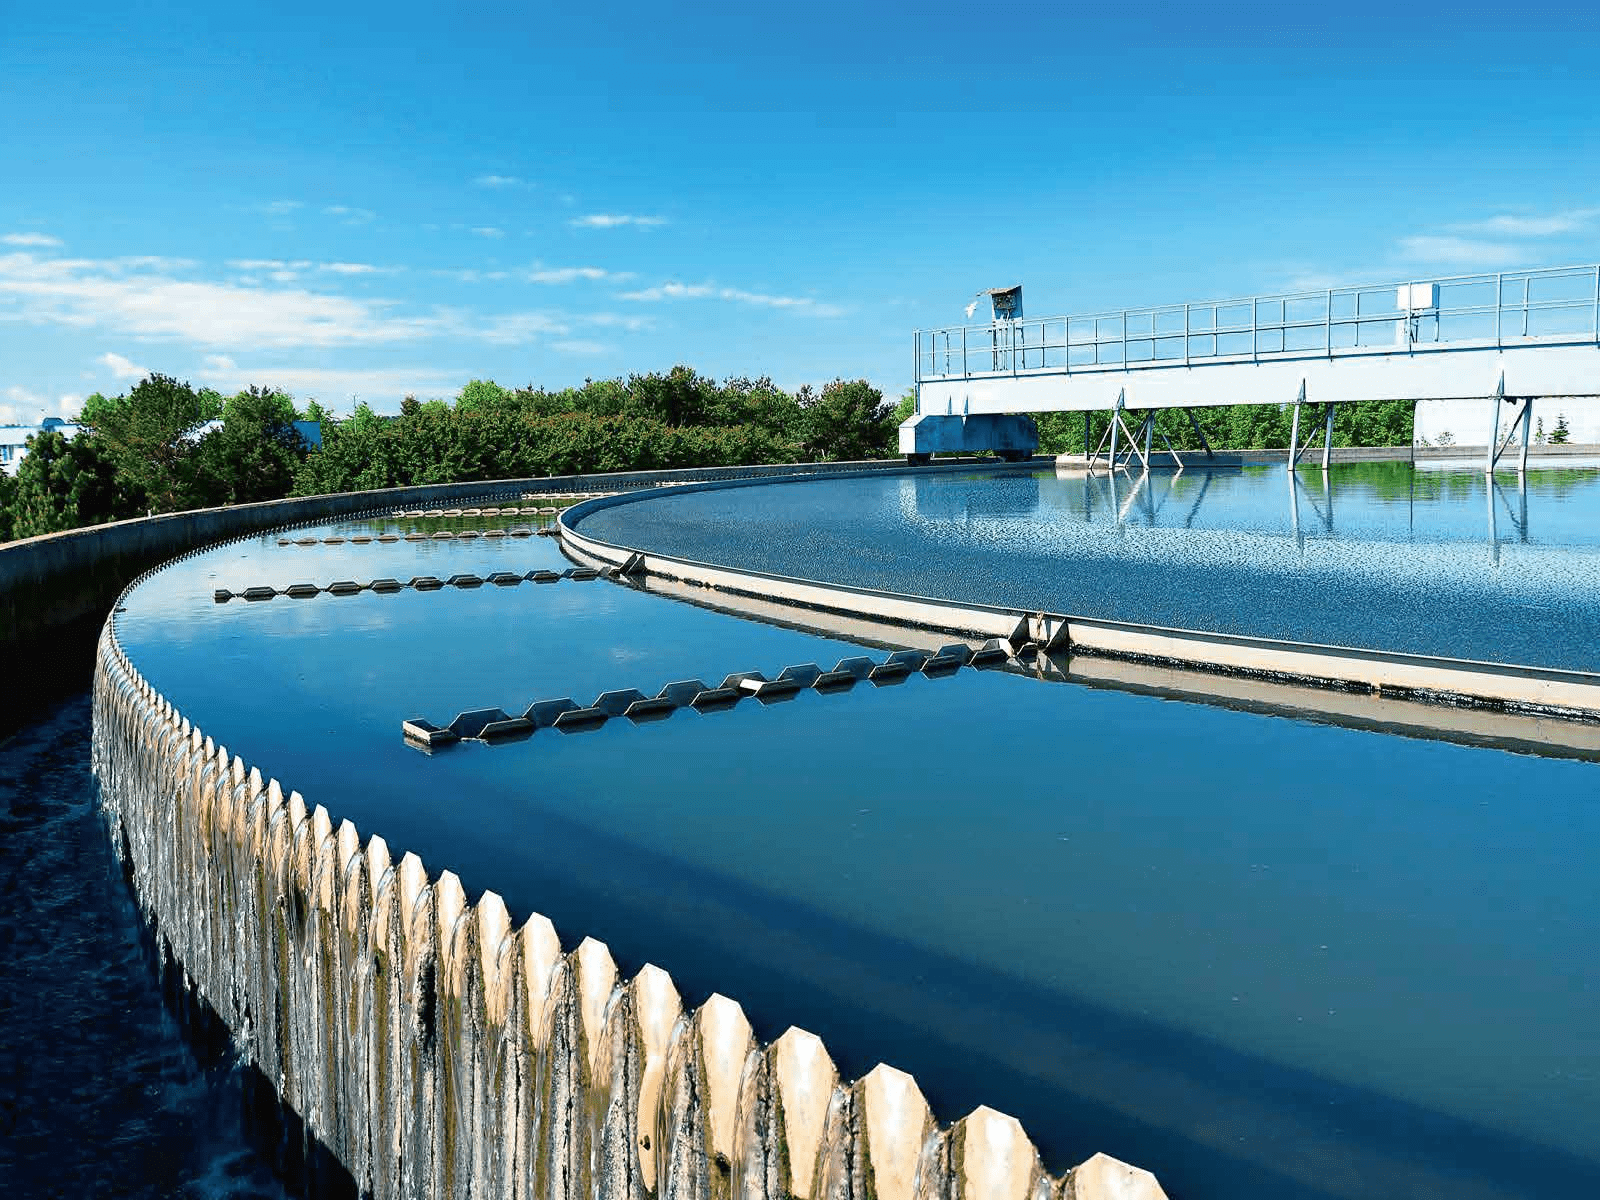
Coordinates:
1294 508
1522 497
1327 501
1494 541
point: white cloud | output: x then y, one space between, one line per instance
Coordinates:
228 319
488 231
350 216
1458 252
514 328
580 346
1576 220
155 303
122 368
615 220
572 274
381 387
705 291
268 264
23 406
30 239
280 208
471 274
354 268
501 181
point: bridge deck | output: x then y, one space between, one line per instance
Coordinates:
1439 339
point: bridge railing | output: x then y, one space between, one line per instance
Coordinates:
1506 308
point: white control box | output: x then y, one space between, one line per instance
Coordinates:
1417 297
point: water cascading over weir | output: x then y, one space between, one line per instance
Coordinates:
423 1045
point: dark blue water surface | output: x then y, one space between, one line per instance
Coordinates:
1371 555
1263 957
99 1093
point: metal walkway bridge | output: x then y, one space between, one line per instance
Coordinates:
1506 337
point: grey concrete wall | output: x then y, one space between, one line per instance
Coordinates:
439 1048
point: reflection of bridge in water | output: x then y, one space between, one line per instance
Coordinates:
1166 499
1507 338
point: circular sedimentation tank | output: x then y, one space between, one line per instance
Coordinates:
1261 938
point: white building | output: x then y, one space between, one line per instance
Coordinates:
14 440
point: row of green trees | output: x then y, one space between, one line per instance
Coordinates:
165 446
1243 427
161 447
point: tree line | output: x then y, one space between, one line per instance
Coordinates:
165 446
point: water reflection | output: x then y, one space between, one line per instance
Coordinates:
1447 562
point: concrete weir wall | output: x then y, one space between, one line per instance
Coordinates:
436 1049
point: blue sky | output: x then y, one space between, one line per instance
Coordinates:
368 201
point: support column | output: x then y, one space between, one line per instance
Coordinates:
1327 440
1294 429
1494 425
1527 426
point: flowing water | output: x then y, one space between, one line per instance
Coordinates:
100 1093
1265 957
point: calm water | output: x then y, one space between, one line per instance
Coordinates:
1264 957
1375 555
99 1093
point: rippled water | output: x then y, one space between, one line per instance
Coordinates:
100 1095
1262 956
1372 555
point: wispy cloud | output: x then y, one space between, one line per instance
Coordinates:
226 317
350 216
707 291
1450 251
29 239
154 302
1576 220
580 346
383 387
21 406
615 220
488 231
280 208
573 274
355 268
500 182
122 368
471 274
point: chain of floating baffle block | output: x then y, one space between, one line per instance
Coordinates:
497 725
419 583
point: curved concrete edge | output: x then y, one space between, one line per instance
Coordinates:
437 1048
60 580
1525 689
